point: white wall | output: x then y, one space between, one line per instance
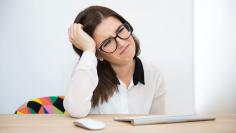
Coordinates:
215 56
37 58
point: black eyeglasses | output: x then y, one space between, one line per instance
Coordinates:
109 45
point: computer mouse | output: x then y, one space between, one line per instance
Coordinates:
89 123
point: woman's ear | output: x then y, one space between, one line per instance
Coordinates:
99 56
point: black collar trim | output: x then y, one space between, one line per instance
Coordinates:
138 72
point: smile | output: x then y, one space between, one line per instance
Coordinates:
124 49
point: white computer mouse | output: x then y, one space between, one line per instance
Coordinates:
89 123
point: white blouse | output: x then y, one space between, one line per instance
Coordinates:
144 95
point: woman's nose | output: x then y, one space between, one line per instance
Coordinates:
121 42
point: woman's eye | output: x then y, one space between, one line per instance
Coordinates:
106 42
120 30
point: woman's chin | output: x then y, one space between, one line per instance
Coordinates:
127 58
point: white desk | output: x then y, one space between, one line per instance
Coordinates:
63 124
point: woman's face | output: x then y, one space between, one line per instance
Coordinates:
108 28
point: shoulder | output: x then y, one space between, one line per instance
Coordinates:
150 68
154 77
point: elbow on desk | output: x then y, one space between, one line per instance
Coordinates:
76 111
78 115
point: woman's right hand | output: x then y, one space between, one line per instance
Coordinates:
80 38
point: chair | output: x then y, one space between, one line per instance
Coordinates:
43 105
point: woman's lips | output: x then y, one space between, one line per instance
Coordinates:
124 49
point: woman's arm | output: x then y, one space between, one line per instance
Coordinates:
84 78
77 101
158 103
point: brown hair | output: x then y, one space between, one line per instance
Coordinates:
107 84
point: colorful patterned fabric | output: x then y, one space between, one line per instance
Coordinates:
43 105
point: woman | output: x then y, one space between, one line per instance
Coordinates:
109 78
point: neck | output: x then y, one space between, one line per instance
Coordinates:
125 71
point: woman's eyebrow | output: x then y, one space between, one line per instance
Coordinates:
117 30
